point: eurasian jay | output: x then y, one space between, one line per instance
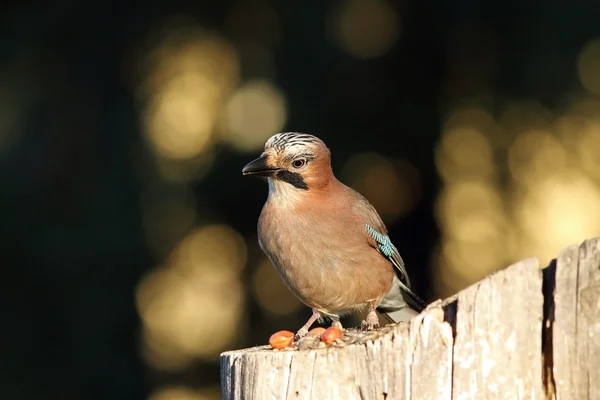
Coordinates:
326 241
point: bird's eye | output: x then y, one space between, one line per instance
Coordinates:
299 163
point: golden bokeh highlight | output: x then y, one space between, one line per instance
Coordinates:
471 211
255 111
271 293
366 28
588 149
465 151
536 154
179 121
581 118
563 209
522 116
526 184
588 66
470 216
190 75
568 130
469 261
192 306
392 187
183 393
473 117
468 148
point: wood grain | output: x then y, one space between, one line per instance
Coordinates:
498 336
576 329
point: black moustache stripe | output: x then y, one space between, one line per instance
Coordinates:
293 179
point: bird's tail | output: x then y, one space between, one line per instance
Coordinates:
414 301
401 304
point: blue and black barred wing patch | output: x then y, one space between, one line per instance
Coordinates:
385 247
384 244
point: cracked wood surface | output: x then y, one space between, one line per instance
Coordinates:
483 343
576 325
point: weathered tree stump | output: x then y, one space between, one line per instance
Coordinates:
521 333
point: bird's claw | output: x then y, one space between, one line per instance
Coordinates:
371 322
366 326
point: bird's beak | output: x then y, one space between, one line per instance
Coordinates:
259 167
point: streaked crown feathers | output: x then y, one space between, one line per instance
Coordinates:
292 141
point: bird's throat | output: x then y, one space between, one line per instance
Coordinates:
283 195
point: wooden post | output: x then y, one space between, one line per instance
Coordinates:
521 333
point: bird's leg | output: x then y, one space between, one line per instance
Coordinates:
372 321
304 330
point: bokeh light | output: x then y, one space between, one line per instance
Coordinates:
468 148
271 293
366 28
189 76
465 151
560 209
192 307
535 154
465 262
521 116
588 66
547 199
253 114
392 187
588 148
180 120
471 211
470 216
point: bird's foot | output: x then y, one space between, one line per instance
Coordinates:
304 330
301 333
371 322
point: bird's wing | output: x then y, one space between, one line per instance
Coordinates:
377 237
382 242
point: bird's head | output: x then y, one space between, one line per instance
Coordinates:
300 160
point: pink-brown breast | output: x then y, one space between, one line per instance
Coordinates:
321 251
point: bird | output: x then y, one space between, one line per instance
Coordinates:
326 240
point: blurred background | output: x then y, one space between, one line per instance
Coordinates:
129 250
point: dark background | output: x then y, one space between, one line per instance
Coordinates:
76 163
